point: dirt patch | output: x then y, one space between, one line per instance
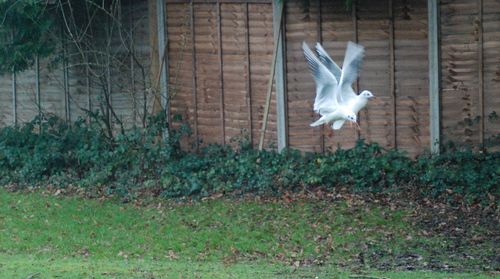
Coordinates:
471 235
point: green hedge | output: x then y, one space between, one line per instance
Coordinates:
81 154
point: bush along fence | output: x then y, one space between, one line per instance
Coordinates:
83 155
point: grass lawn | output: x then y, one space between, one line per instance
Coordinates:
42 236
77 267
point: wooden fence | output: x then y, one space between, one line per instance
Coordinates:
231 83
470 52
66 90
394 34
219 55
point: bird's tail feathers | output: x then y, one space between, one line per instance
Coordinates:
338 124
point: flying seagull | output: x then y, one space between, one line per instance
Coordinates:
346 76
326 103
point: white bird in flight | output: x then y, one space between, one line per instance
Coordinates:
326 85
335 99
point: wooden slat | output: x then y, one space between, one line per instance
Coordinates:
207 63
248 74
193 74
88 85
221 73
67 104
14 97
356 39
480 69
491 52
337 30
301 25
37 89
392 74
375 74
235 68
163 61
319 36
411 44
279 79
459 71
130 26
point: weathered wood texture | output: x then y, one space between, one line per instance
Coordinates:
132 54
126 101
374 33
52 95
470 81
205 62
491 67
215 54
459 51
6 117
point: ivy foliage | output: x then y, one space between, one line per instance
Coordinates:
83 155
26 30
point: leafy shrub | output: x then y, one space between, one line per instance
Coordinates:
470 174
24 31
83 155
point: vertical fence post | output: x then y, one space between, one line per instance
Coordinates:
132 63
221 72
37 89
279 75
14 97
67 109
14 90
434 74
162 52
88 81
109 91
319 36
277 17
354 14
480 71
109 99
66 91
248 82
195 81
392 73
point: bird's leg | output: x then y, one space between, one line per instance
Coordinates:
330 133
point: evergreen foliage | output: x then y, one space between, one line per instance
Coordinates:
83 155
26 30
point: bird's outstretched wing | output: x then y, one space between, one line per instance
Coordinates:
328 61
350 69
326 83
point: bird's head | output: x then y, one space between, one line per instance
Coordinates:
366 94
352 117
